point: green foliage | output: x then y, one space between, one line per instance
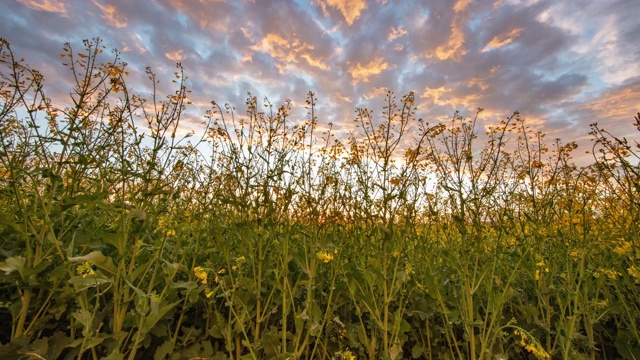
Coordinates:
268 238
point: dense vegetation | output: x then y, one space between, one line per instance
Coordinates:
269 238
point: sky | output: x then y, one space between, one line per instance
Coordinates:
562 64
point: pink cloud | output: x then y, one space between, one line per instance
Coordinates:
112 15
350 9
55 6
501 40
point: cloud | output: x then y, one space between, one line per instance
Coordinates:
396 33
362 72
434 95
453 48
55 6
315 62
350 9
461 5
288 52
501 40
619 103
111 14
175 56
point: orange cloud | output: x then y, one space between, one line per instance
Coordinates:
374 93
315 62
344 98
176 56
362 73
111 14
461 5
396 33
454 48
501 40
287 52
481 83
350 9
55 6
443 96
619 104
199 11
433 95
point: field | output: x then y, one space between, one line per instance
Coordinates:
264 237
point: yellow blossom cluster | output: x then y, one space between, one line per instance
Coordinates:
623 248
201 274
344 355
531 345
165 226
611 274
634 272
86 269
408 268
324 256
541 267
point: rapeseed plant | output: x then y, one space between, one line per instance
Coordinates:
71 174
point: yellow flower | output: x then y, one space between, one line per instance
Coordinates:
171 232
634 272
209 293
200 273
86 269
623 249
324 256
531 345
408 269
611 274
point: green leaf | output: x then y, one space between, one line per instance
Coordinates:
430 284
189 285
164 350
416 351
83 283
496 301
152 320
6 220
115 355
395 351
14 263
101 261
84 317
